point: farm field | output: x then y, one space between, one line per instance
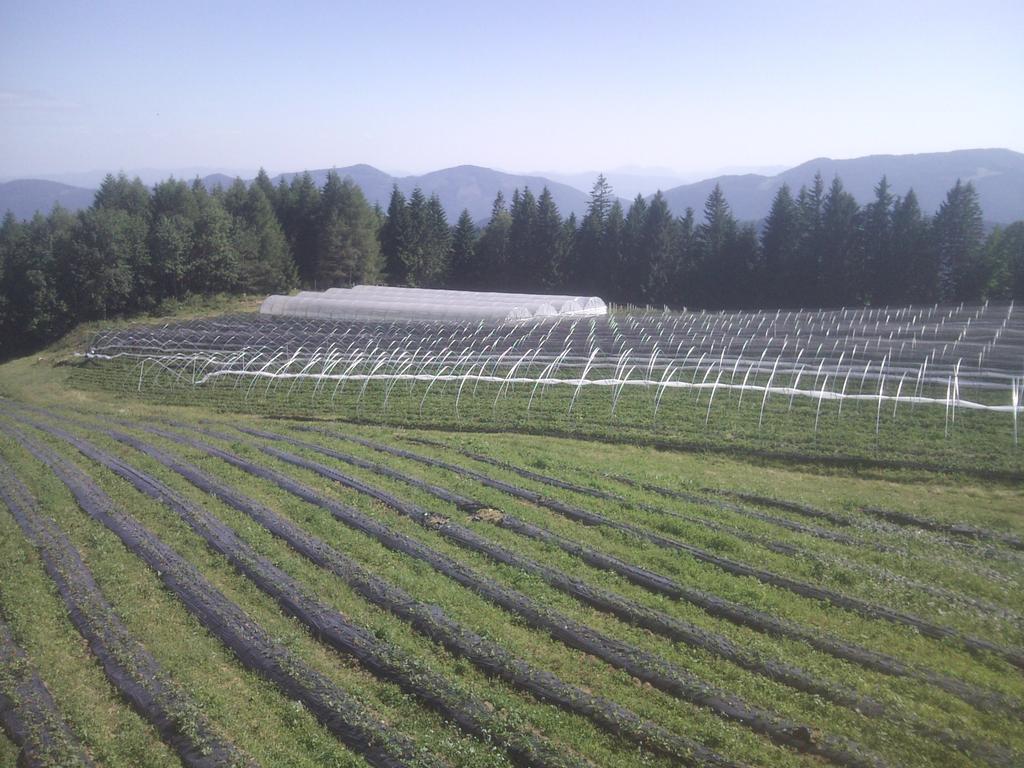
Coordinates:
485 566
935 386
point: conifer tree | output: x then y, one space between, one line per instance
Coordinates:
266 186
265 264
465 269
546 258
212 262
348 251
631 288
521 241
714 235
806 276
395 238
492 247
684 283
875 276
301 223
586 270
94 262
657 267
780 243
32 311
435 245
914 271
958 236
840 244
612 266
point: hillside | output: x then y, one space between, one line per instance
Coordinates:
997 174
23 197
465 186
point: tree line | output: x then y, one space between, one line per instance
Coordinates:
137 246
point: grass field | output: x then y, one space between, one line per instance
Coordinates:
351 586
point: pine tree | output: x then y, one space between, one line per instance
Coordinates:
958 233
840 247
134 199
33 311
914 270
94 263
119 193
348 250
413 254
805 280
174 211
394 239
570 244
685 283
465 269
521 241
656 271
435 246
212 262
631 287
301 222
1003 260
493 246
586 268
876 278
265 264
780 243
266 186
714 236
613 269
547 252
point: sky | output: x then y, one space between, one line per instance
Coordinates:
527 86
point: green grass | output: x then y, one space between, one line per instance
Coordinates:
858 434
583 448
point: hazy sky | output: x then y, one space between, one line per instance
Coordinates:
522 86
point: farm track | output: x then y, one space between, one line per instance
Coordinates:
640 664
985 608
132 670
28 713
660 584
1014 656
252 645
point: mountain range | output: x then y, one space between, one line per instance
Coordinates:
997 174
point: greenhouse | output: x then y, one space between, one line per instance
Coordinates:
373 302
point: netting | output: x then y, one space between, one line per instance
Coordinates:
951 358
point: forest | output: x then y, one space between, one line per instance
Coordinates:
137 247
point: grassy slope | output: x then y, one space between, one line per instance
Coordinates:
269 727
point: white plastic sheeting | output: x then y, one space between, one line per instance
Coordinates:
372 302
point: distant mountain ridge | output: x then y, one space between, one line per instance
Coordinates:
23 197
997 174
469 187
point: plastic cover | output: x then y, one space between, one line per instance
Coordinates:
373 302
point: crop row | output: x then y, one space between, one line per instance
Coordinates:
473 716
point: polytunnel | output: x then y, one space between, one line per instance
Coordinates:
372 303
